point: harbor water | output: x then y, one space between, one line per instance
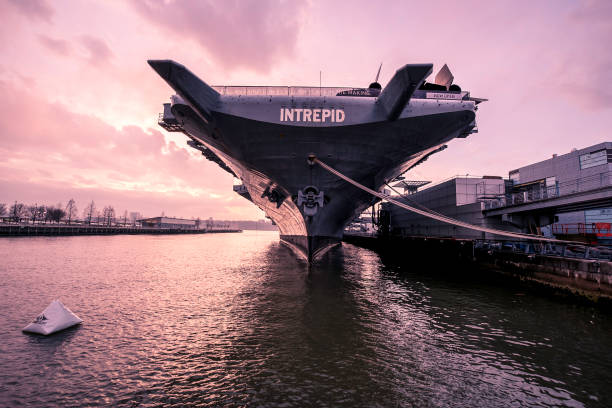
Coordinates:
237 320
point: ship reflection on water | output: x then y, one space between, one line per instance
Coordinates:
236 319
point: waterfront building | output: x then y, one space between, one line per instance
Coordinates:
168 222
461 197
567 196
577 173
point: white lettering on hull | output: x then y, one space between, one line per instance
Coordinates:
312 115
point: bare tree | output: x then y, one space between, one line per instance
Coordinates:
36 212
134 216
17 211
33 212
108 215
125 215
89 212
55 214
2 209
71 210
42 211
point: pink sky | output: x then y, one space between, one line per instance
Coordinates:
79 102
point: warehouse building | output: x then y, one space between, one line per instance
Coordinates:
168 222
567 196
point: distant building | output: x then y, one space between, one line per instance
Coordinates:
168 222
462 198
576 173
568 196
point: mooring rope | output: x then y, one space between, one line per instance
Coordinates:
437 216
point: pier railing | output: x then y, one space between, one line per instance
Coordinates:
550 249
279 90
596 229
25 229
577 251
539 192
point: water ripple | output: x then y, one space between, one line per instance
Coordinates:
236 320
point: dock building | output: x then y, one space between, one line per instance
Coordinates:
168 222
573 189
567 196
461 197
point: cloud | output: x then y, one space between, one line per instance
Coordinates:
58 46
34 9
99 52
238 34
148 203
593 11
53 149
583 69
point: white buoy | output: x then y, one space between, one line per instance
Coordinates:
54 318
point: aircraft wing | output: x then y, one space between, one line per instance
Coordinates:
399 90
192 89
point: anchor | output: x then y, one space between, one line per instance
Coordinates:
311 200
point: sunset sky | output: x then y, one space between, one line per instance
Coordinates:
79 103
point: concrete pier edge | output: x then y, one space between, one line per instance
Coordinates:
578 280
15 230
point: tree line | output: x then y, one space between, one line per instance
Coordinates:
35 213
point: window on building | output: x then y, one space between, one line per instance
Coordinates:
514 176
593 159
598 216
552 186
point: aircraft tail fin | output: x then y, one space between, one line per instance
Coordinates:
192 89
399 90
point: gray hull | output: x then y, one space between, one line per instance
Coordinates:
271 160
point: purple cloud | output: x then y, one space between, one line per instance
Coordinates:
238 34
34 9
58 46
53 148
584 70
99 52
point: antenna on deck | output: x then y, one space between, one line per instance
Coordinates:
375 84
320 91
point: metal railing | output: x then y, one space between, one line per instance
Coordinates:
279 90
548 249
539 192
599 229
321 91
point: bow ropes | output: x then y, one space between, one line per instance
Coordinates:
431 214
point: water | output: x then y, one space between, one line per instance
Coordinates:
236 320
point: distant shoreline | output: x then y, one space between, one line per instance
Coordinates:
29 230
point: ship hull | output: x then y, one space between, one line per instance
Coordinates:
271 159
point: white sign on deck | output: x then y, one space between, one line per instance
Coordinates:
443 95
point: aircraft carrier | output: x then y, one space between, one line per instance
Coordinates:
267 136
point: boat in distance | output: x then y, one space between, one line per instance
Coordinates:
265 136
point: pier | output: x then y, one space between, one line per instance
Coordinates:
19 230
584 272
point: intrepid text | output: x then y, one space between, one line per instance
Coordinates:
311 115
